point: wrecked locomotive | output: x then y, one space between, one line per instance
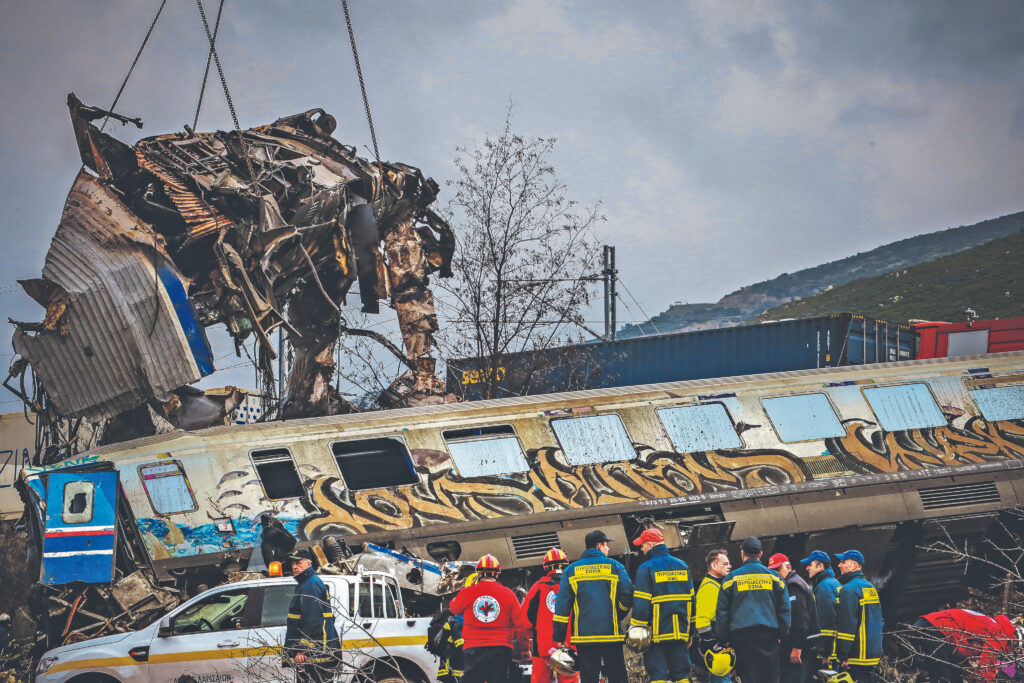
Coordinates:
881 456
250 229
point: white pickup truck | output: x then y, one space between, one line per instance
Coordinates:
233 633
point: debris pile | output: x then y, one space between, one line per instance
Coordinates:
253 230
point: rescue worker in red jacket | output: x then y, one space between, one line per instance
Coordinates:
492 622
539 606
947 643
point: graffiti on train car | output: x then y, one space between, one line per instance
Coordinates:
867 449
553 485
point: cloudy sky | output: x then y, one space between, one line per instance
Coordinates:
727 141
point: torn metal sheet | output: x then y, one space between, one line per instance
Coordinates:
260 228
118 330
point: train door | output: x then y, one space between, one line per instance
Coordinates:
80 522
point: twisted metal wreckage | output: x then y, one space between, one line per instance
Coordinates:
252 229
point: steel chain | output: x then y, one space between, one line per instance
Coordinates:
362 87
227 93
132 67
206 73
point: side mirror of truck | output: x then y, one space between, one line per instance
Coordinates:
164 629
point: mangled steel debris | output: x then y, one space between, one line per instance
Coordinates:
254 229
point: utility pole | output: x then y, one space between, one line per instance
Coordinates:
610 274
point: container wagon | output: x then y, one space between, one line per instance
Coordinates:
939 339
821 342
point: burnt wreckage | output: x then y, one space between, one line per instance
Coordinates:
252 229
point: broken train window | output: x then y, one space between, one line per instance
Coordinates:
374 463
276 471
485 451
78 499
904 406
592 440
705 427
167 487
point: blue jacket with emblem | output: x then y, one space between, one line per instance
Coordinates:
752 596
663 596
311 620
826 602
597 592
859 627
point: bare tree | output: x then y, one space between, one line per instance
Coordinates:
998 562
525 251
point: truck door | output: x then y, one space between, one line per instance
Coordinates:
80 519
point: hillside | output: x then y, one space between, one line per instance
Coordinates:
743 304
988 278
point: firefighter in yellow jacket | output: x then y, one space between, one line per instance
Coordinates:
718 566
663 602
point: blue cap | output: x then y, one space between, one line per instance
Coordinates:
817 556
854 555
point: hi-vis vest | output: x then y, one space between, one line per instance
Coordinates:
859 631
663 596
597 592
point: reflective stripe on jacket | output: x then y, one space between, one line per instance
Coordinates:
707 603
311 619
752 596
826 602
663 596
597 592
859 631
538 606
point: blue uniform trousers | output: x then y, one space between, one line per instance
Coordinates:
668 662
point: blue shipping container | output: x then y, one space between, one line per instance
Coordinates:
826 341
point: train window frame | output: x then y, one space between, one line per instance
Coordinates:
490 434
259 476
804 394
878 418
709 404
76 488
391 438
181 471
995 387
566 452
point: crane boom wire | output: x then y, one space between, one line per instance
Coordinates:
209 59
362 87
135 61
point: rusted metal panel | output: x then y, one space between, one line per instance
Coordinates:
123 342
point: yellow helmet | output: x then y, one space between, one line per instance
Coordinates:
720 661
830 676
638 638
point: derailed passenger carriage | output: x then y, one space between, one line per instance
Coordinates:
882 457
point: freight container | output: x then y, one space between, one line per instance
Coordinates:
939 339
825 341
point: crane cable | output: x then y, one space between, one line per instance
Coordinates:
209 59
227 93
132 67
362 87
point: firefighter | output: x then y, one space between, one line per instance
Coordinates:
826 603
310 640
539 606
958 644
662 602
753 616
859 627
718 566
492 624
796 662
444 641
597 592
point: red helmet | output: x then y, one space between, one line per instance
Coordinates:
488 564
555 558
